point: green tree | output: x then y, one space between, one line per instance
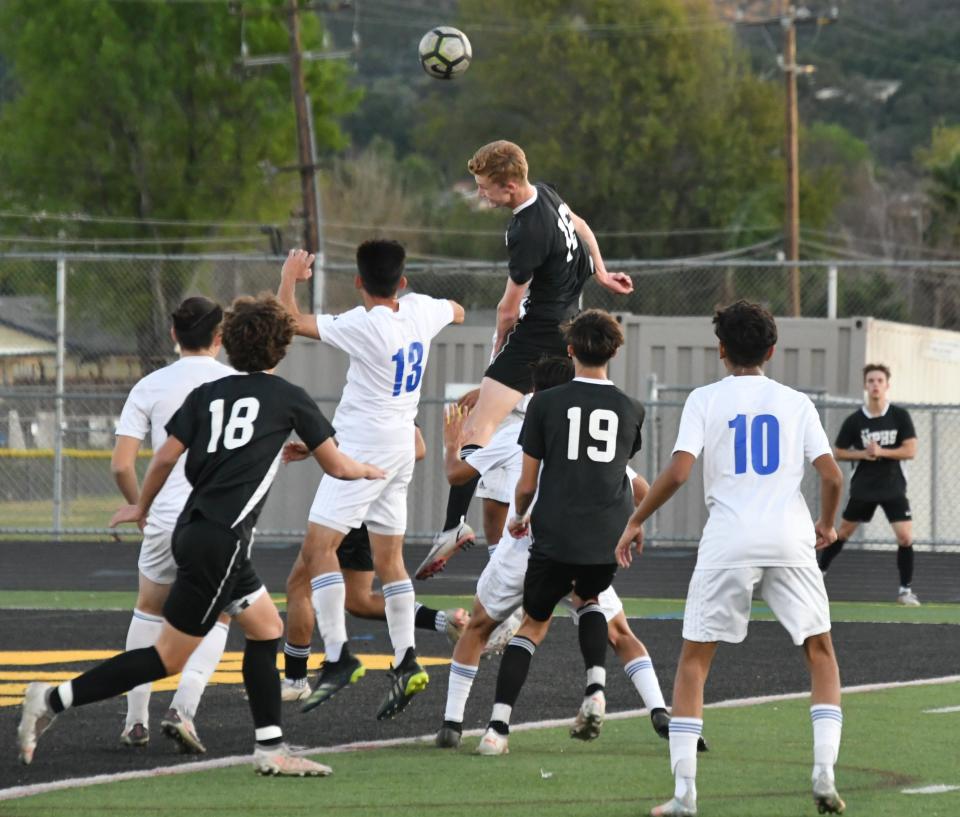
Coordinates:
138 110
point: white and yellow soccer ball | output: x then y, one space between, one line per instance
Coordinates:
445 52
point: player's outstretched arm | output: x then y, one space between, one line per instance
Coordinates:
297 267
508 310
160 467
664 486
526 490
123 464
339 465
459 313
618 282
831 487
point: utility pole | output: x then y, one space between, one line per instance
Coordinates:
792 152
790 16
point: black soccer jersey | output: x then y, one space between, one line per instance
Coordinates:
545 250
877 480
234 429
583 432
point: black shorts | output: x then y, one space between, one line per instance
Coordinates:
354 551
213 571
861 510
525 345
547 582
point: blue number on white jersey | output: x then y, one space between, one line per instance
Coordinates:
764 443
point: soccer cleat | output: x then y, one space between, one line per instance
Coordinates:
449 735
504 631
677 807
661 722
589 719
182 731
35 719
493 743
457 621
406 681
825 795
908 599
445 544
278 762
136 734
333 676
294 689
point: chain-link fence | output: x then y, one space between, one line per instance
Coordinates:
70 352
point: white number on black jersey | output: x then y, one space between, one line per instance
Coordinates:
602 425
565 223
239 430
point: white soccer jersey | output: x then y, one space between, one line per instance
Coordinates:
755 435
388 355
149 406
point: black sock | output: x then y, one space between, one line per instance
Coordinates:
119 674
456 726
262 682
905 565
514 667
295 660
592 632
425 618
458 501
829 553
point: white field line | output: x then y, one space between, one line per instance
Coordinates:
238 760
942 710
939 788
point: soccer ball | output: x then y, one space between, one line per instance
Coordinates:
445 52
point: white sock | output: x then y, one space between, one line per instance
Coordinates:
827 726
597 675
684 734
640 671
440 622
329 597
458 690
501 712
143 632
398 600
199 667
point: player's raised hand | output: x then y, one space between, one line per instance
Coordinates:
128 513
469 400
294 452
632 535
454 416
618 282
826 533
299 265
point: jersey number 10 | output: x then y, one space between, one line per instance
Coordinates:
764 443
602 425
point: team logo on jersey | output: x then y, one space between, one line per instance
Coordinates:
887 436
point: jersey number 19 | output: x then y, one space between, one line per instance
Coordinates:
602 425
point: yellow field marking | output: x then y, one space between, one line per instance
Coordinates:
229 670
70 453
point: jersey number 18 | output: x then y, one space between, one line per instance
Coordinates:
239 430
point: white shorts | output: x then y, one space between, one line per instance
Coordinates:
498 484
156 560
719 600
381 503
500 587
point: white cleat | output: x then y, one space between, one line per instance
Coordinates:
294 689
677 807
181 730
277 761
493 743
908 599
825 795
589 719
504 631
35 719
445 544
457 620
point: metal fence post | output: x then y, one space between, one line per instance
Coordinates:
653 391
58 397
832 292
933 477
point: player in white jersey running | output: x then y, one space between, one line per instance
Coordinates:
500 587
756 436
388 341
147 410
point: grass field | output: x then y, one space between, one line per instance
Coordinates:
758 766
635 608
